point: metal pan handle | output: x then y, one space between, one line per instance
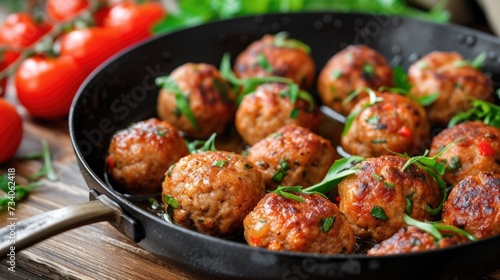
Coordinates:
25 233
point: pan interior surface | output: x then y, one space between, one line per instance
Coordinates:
123 91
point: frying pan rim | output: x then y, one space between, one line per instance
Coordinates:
116 196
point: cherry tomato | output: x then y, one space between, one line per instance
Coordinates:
11 129
3 82
64 10
90 47
46 86
20 30
134 21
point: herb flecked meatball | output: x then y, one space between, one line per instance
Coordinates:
352 68
411 240
292 156
315 225
375 198
396 123
276 55
213 190
474 205
269 108
202 92
455 82
477 149
139 155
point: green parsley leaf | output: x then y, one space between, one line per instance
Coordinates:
327 223
373 99
219 163
171 201
208 145
264 63
378 212
480 110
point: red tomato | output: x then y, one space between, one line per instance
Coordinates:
11 129
20 30
90 47
3 82
64 10
134 21
46 86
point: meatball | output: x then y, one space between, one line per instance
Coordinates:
210 98
474 205
275 55
214 190
411 239
455 83
396 123
292 156
269 108
139 155
478 149
346 71
315 225
375 198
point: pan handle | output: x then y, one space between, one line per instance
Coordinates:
22 234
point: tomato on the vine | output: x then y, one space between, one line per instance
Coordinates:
134 21
46 86
11 129
20 30
90 46
63 10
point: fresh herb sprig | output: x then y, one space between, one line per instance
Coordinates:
181 99
21 191
198 146
281 40
434 168
47 170
248 85
480 110
435 228
338 171
373 99
476 63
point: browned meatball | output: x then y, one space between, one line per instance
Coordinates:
292 156
276 56
282 224
215 190
374 199
457 84
210 98
268 109
411 239
396 123
478 150
139 155
346 71
474 205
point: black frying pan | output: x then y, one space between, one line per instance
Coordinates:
123 91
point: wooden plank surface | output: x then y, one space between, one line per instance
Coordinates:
95 251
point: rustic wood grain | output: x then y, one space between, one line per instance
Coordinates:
95 251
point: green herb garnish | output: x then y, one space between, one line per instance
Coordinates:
476 63
480 110
377 177
336 74
409 203
327 223
171 201
20 191
198 146
170 169
294 114
373 99
181 99
264 63
281 40
434 228
378 212
47 169
454 163
281 173
368 70
219 163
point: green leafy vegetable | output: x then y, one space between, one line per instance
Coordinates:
480 110
435 228
182 100
198 146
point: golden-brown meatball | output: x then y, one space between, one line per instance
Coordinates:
478 150
396 123
346 71
276 56
210 98
455 83
139 155
411 239
474 205
375 198
268 109
214 190
313 226
292 156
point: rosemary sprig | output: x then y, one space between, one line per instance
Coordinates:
481 110
435 228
